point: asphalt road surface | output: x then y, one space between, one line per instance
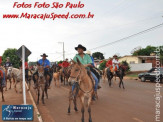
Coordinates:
134 104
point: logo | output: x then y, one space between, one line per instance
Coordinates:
17 112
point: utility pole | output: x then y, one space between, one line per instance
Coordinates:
63 51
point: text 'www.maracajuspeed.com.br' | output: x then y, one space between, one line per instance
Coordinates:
45 16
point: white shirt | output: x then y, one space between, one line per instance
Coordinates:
115 61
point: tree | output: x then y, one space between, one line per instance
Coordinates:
145 51
15 60
98 55
102 65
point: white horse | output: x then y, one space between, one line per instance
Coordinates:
17 74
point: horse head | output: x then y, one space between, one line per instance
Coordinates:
41 72
75 73
9 71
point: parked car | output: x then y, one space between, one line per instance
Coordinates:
151 75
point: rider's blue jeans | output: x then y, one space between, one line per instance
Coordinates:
96 82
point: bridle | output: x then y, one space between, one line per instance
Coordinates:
77 77
77 82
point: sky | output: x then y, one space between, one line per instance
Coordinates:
113 20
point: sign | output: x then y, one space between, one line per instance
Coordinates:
17 112
19 52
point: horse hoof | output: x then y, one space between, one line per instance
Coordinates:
82 120
75 109
68 110
90 120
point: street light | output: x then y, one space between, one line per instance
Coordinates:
63 50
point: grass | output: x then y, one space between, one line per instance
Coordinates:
133 75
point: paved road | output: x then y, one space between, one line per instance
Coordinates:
134 104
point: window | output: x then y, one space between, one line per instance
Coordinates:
143 61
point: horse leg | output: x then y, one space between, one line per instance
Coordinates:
46 92
75 105
70 99
15 86
89 109
123 84
38 96
82 107
10 83
2 95
43 90
55 81
6 83
20 86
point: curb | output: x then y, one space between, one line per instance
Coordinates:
34 105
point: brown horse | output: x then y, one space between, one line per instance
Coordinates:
1 87
84 87
41 82
56 76
64 73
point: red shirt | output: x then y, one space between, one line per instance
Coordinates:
26 65
109 63
65 64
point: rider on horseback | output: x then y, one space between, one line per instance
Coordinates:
65 64
86 61
7 63
46 63
115 63
2 72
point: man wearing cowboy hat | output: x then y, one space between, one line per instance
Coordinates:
7 63
115 62
86 60
46 63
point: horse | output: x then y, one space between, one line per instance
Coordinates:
41 82
119 73
18 76
56 76
1 85
65 74
28 81
84 87
8 77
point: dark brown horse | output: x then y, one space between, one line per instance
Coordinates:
84 87
1 85
119 73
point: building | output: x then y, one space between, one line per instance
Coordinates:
139 63
139 59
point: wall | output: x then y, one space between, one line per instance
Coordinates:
130 59
141 67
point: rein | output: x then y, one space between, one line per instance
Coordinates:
77 83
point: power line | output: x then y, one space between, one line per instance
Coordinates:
125 38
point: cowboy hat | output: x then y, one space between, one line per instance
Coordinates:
80 46
44 55
115 56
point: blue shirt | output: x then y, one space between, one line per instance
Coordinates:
45 63
92 60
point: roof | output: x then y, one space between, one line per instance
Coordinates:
139 56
